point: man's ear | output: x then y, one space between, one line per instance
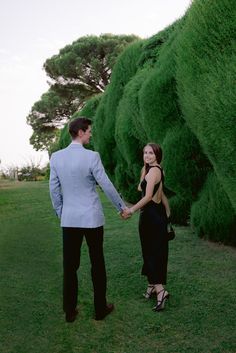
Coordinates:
80 133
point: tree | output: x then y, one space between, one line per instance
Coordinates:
47 116
80 71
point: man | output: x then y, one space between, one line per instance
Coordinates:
74 172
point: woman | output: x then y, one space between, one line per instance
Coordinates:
154 215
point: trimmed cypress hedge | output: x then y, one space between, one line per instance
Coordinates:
213 216
130 138
186 168
130 126
89 111
158 95
177 89
129 106
124 69
101 140
151 46
206 67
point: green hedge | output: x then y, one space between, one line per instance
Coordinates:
129 106
206 67
130 138
124 69
186 168
89 111
123 110
176 89
152 46
158 96
212 215
101 141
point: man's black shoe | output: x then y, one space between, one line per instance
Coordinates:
109 308
70 317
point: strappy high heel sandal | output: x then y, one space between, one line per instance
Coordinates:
160 305
150 291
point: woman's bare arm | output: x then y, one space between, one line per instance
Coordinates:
142 175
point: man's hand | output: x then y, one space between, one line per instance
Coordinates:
126 213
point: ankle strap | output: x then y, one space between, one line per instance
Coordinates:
162 290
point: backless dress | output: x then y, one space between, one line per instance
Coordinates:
153 237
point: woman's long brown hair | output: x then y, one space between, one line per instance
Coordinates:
158 153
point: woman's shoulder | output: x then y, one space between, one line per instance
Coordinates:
154 171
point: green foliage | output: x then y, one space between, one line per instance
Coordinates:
131 127
124 70
170 92
46 116
128 158
177 89
186 168
87 62
90 107
184 161
129 107
125 179
158 96
206 60
100 138
64 139
152 45
80 71
180 206
89 111
213 215
130 138
31 172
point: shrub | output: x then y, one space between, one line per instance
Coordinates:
129 143
158 97
101 143
129 107
124 69
152 45
89 111
206 65
212 214
186 168
31 172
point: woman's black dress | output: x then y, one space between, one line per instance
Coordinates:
153 237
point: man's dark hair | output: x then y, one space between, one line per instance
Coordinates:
81 123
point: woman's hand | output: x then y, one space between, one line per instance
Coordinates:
127 213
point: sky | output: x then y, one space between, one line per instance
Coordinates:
32 31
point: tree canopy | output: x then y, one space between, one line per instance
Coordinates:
80 71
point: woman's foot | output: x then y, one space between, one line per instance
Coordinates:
162 295
150 291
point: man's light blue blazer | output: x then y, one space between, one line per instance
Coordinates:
74 172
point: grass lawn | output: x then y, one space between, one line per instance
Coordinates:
199 317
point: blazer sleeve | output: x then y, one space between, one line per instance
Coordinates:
102 179
55 189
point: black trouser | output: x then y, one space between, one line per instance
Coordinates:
72 241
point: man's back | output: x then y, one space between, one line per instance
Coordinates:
74 172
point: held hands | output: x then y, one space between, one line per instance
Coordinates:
126 213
